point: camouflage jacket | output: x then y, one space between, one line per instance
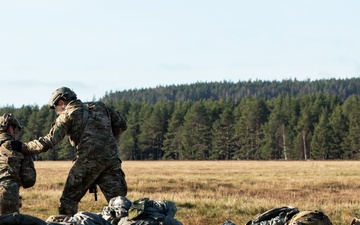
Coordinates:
93 128
16 169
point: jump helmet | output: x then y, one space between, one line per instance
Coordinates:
63 93
8 119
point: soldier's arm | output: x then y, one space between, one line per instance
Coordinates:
38 146
56 134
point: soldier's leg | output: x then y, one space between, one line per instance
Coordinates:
9 199
8 206
112 180
81 176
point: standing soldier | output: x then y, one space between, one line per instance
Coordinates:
16 169
94 129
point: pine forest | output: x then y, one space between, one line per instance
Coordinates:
252 120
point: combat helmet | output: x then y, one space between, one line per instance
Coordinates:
8 119
63 93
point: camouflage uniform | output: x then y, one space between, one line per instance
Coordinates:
94 129
16 169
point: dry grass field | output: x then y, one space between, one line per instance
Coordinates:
210 192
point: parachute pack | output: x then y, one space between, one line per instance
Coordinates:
309 218
122 211
119 211
275 216
138 209
288 215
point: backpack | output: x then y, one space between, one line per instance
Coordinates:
137 209
314 217
275 216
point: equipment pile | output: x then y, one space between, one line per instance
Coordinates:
120 211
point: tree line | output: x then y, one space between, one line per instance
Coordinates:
226 89
286 127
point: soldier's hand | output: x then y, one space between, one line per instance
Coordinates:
24 149
16 146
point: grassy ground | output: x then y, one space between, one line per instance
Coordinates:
210 192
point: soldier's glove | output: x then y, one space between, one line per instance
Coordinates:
24 149
16 146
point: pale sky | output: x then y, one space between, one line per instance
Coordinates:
94 46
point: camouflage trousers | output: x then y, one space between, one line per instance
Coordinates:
10 200
108 175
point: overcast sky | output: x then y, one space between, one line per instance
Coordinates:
94 47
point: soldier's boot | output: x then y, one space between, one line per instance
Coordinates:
68 207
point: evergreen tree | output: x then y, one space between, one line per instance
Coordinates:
46 119
351 144
278 130
152 131
11 109
248 128
223 130
196 133
305 127
338 131
23 114
129 143
291 112
321 142
123 107
145 141
34 126
172 140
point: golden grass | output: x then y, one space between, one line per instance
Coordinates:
210 192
